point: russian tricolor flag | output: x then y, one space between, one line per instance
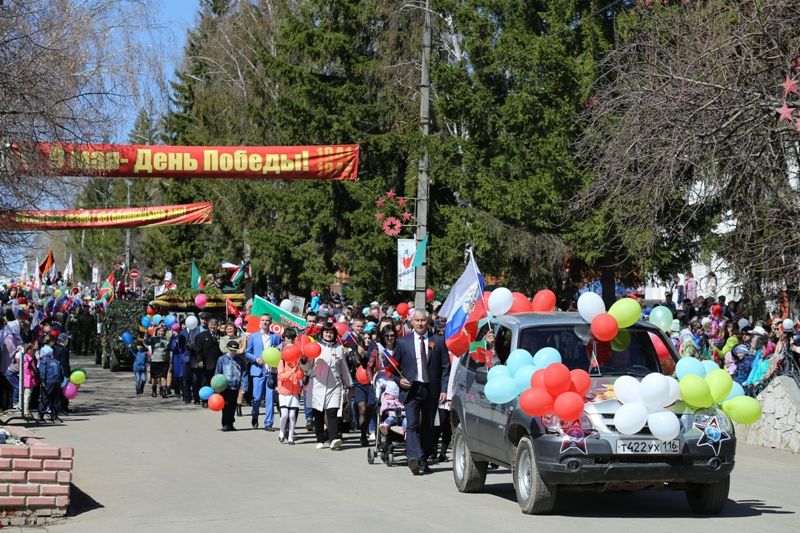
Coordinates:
463 299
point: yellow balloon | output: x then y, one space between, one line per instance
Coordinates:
695 391
77 377
271 356
627 311
742 409
720 384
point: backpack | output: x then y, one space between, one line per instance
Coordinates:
232 372
51 372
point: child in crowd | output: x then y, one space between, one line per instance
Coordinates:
231 365
389 404
290 384
30 379
51 376
140 368
12 375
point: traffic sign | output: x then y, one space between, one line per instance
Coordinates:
134 273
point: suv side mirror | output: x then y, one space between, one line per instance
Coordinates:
481 375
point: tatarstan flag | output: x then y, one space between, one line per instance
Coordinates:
106 291
197 280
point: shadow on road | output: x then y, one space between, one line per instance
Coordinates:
642 504
80 502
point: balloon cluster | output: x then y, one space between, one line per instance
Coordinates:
703 384
149 321
212 394
544 384
70 388
504 302
623 314
644 403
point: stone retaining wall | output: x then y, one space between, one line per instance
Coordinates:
779 426
34 482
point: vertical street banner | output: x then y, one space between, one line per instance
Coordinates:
333 162
406 249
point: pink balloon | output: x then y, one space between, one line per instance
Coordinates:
200 300
176 327
238 322
70 391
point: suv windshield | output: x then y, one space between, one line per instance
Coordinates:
631 352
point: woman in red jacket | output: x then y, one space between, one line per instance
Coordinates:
290 385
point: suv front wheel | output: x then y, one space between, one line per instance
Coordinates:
708 498
533 494
469 475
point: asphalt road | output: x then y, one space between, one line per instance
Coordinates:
147 464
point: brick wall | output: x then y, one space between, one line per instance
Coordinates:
34 483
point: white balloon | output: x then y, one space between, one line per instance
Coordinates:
664 425
654 390
788 325
590 304
191 322
674 391
287 305
626 388
630 418
500 301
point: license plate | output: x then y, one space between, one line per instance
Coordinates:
653 447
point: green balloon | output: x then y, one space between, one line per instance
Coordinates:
720 383
77 377
695 391
661 316
621 342
742 409
627 311
219 383
271 356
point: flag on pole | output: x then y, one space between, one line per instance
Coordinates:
106 292
462 299
230 309
47 266
67 274
197 279
23 277
419 255
238 275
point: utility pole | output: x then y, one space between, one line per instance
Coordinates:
128 234
420 276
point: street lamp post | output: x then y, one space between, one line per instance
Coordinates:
420 276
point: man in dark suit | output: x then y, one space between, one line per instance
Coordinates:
424 373
207 351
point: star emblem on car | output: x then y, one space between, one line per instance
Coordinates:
711 435
575 437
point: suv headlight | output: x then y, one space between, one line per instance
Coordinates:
553 424
704 416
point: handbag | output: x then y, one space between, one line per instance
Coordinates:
272 380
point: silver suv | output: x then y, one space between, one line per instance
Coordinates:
546 455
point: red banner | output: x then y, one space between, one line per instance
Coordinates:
339 162
131 217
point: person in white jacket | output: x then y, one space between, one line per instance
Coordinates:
330 377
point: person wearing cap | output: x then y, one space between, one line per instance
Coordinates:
231 365
743 355
61 354
50 377
208 351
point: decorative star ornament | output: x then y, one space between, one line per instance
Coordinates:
401 202
391 194
380 201
785 112
575 437
712 435
379 216
789 86
407 215
391 226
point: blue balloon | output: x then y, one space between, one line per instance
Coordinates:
647 311
517 359
496 371
523 377
127 338
736 390
710 365
145 322
157 319
546 357
501 389
690 366
205 392
169 321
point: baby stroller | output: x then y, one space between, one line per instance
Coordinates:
394 441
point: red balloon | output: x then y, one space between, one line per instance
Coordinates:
150 311
537 379
312 350
361 375
581 381
664 357
430 294
302 340
252 323
216 402
568 406
520 304
402 309
557 379
291 353
151 330
459 344
536 402
604 327
341 328
544 301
